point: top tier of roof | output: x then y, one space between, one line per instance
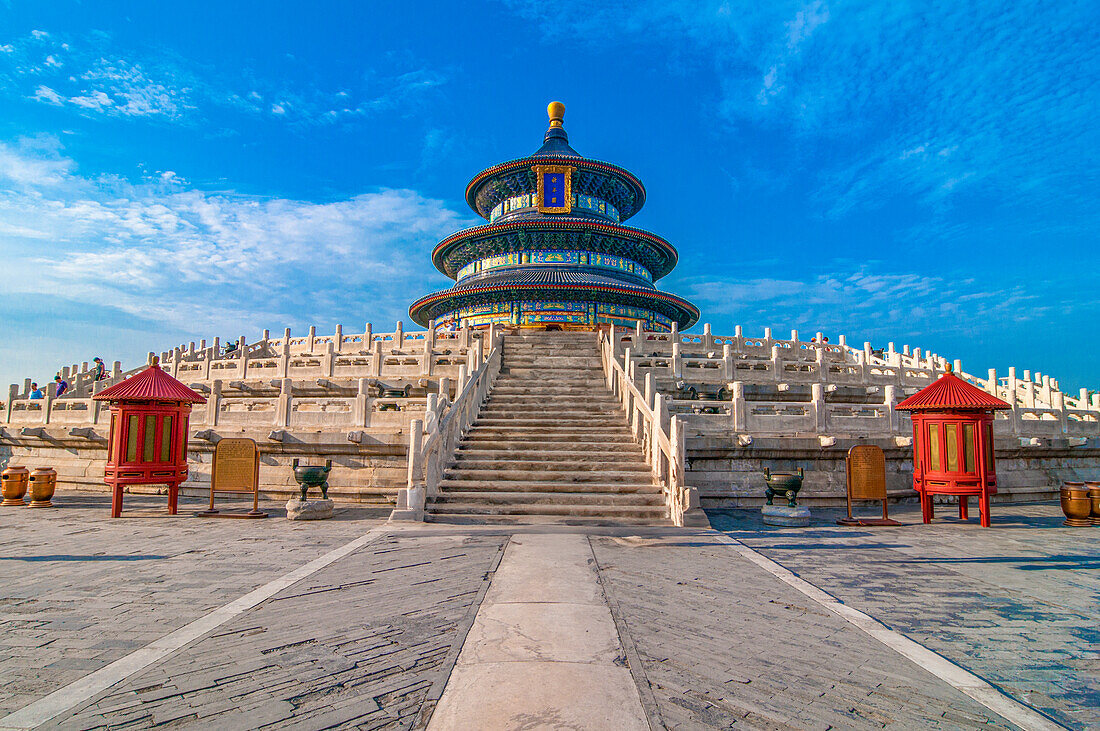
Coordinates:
605 181
951 392
152 384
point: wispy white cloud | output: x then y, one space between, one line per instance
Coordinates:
91 75
878 301
183 260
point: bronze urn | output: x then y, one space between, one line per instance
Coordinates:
1076 504
14 482
311 476
786 484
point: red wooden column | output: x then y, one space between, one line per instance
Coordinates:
148 440
953 444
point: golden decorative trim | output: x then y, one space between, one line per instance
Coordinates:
567 170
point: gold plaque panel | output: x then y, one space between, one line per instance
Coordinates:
547 201
236 466
866 472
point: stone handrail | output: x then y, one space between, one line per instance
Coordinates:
445 426
664 450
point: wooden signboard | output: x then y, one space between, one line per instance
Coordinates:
236 469
866 468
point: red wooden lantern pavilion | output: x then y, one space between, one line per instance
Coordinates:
953 443
148 441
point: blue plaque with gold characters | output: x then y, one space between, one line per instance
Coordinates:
555 188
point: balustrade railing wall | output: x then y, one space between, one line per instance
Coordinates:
787 387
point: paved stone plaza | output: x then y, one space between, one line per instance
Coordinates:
356 623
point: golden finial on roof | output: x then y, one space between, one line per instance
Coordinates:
556 112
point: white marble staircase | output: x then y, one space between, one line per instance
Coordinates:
550 445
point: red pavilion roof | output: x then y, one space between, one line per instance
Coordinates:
152 384
951 392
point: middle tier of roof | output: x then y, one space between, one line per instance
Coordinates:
557 233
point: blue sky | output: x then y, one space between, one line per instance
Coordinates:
917 172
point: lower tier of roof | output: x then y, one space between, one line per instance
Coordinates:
550 284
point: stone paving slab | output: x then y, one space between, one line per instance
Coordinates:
543 651
357 645
723 643
79 590
1018 603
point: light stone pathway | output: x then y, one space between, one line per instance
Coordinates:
543 651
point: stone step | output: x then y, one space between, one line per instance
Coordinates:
544 400
555 360
566 478
532 428
550 451
578 520
606 512
537 371
530 389
531 438
506 411
603 488
551 458
543 485
516 499
550 420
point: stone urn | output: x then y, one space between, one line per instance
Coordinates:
312 476
14 481
43 483
785 484
1094 498
1076 504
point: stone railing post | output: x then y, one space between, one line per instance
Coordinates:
889 401
445 388
13 394
368 338
213 402
675 332
677 360
627 354
47 407
377 365
283 408
242 366
311 338
817 396
708 337
361 399
727 362
426 359
464 337
398 336
176 357
328 360
1058 400
659 409
737 407
338 338
460 383
649 390
415 457
116 372
992 383
777 364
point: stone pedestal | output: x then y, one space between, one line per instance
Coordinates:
308 509
781 515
